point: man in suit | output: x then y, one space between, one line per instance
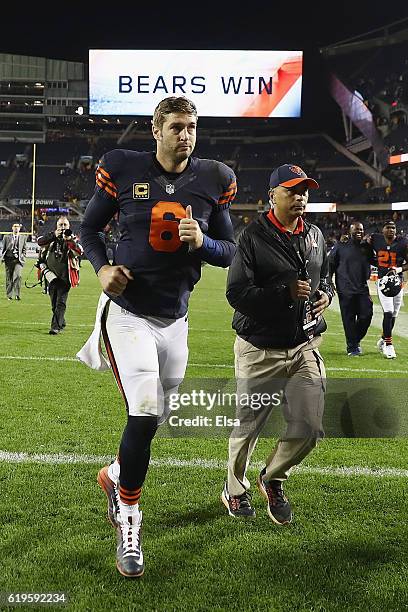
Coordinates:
14 254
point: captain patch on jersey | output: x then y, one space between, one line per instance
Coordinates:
141 191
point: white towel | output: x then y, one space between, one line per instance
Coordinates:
91 353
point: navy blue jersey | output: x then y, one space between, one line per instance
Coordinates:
150 203
389 255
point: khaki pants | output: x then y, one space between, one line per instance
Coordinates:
300 372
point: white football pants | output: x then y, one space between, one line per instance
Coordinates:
148 356
391 304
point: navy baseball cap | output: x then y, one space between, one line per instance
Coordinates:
290 175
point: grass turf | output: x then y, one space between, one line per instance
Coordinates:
346 549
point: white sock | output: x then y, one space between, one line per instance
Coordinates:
129 510
114 471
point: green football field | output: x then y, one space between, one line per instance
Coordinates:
347 548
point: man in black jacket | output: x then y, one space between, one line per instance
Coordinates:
60 268
279 286
350 262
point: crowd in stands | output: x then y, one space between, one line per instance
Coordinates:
380 78
65 170
333 225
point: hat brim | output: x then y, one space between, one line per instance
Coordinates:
311 183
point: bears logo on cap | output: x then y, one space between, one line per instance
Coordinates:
296 170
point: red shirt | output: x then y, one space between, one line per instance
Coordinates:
298 229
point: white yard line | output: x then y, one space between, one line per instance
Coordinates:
36 358
90 326
224 366
329 470
391 371
45 323
212 330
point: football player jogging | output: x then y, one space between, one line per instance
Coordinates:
173 214
392 257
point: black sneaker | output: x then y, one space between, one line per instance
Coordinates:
129 555
237 505
279 509
111 491
54 331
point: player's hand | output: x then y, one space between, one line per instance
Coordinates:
300 290
321 304
114 279
392 271
189 231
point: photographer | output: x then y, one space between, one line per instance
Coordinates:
60 268
279 287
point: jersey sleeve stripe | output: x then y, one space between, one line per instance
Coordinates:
104 173
105 182
224 199
230 189
104 178
108 190
228 193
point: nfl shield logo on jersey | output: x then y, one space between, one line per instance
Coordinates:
170 189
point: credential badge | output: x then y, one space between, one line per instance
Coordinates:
141 191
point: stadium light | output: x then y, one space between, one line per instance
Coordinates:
399 206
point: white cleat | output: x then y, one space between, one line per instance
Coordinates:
389 351
129 555
380 345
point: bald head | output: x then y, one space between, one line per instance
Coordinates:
357 231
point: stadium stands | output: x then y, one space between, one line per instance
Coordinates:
59 175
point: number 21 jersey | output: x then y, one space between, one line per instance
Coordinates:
389 255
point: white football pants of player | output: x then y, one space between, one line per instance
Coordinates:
148 356
390 304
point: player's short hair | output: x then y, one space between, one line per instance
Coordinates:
389 224
173 104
